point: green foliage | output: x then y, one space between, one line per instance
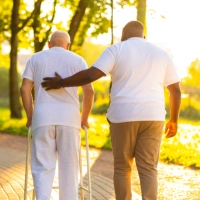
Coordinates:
123 3
182 149
96 18
101 109
190 113
40 27
4 86
5 20
91 52
98 132
13 126
4 60
96 21
190 107
193 74
101 100
4 82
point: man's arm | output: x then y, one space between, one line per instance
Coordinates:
88 98
27 99
175 101
81 78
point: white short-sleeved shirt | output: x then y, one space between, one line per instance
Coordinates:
54 107
140 71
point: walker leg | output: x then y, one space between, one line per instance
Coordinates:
81 174
33 195
88 164
27 163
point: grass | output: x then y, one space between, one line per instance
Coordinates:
182 149
12 126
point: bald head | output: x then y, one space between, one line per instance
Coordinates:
60 39
132 29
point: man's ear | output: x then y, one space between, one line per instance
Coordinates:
49 44
68 46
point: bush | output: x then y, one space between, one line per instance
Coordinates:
4 86
102 109
190 113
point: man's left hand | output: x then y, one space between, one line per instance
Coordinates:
84 123
171 129
28 123
52 82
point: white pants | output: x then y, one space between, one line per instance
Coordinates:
48 140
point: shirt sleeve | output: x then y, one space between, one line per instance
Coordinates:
106 61
171 75
28 72
83 64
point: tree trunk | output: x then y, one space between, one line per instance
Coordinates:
141 13
76 20
36 29
15 105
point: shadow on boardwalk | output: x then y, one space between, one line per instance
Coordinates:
175 182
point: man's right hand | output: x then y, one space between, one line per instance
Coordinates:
52 82
171 129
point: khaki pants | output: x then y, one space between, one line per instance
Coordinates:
140 140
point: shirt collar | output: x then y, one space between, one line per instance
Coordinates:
136 38
58 48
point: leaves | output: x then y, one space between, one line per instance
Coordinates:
193 74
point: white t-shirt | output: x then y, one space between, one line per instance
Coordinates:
55 107
139 71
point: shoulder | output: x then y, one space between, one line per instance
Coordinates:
39 54
115 46
113 49
156 47
74 55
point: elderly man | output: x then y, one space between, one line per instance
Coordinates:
55 118
140 71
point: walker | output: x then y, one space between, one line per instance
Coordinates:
81 186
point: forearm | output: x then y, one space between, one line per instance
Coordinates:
79 79
88 100
27 103
83 77
175 102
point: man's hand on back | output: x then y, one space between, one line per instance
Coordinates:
52 82
171 129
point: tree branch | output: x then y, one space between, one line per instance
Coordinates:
49 30
37 5
76 19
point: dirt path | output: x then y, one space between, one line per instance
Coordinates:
175 182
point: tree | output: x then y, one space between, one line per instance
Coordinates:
40 35
16 26
77 18
193 75
141 13
85 14
141 6
94 16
